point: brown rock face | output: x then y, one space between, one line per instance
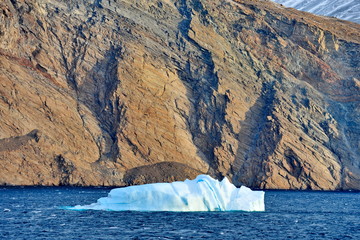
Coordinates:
129 92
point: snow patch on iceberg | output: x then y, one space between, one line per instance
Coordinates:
201 194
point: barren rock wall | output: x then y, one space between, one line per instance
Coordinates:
123 92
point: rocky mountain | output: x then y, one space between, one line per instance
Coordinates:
343 9
119 92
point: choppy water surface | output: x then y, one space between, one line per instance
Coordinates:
35 213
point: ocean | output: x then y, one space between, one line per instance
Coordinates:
37 213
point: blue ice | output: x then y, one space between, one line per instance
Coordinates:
201 194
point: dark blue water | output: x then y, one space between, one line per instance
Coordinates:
34 213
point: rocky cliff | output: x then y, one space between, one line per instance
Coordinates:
118 92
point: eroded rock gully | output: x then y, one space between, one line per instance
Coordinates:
122 92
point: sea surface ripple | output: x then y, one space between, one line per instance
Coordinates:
36 213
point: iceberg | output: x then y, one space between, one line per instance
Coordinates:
201 194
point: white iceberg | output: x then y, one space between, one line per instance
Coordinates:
201 194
